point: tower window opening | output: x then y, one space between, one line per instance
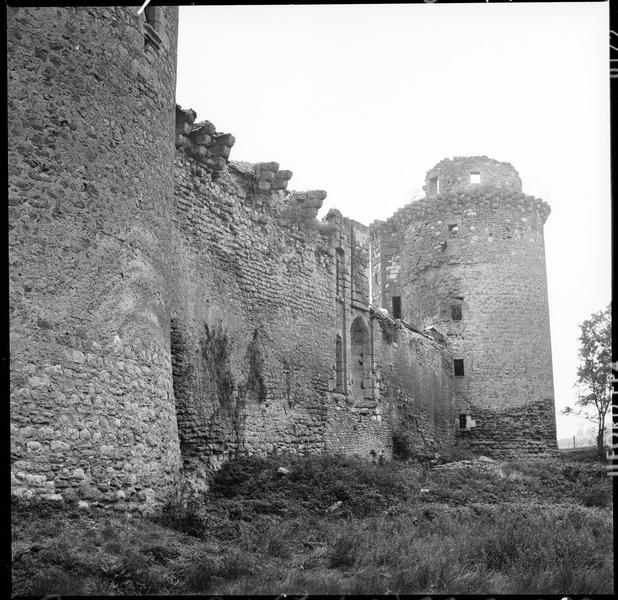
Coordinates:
456 312
475 177
458 365
152 15
396 307
453 228
463 421
150 12
434 185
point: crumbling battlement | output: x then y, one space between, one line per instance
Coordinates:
308 365
465 172
482 197
202 141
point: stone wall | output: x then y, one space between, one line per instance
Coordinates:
523 430
411 396
274 343
90 199
415 383
451 175
386 244
254 284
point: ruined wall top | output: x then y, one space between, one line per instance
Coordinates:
466 172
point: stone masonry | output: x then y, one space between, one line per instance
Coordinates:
172 308
469 262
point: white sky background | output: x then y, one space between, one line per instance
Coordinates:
362 101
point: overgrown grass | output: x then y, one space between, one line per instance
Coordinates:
313 484
533 526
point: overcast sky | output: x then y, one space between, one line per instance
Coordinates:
362 101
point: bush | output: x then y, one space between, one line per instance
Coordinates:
599 498
239 564
402 447
56 581
344 550
199 577
245 476
184 512
314 483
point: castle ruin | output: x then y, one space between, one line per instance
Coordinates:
171 308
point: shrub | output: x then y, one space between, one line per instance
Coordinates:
456 453
199 577
599 498
245 476
314 483
183 512
344 550
239 564
402 447
54 580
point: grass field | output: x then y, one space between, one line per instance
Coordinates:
528 526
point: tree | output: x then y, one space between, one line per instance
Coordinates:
594 374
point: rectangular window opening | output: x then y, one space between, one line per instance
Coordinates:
475 177
453 228
396 307
434 185
463 421
456 312
458 365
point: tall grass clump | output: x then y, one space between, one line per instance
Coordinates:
313 484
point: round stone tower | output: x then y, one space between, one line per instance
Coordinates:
91 147
473 267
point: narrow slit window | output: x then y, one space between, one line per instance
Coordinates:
339 364
456 312
458 365
396 307
463 421
150 12
152 16
475 177
339 272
